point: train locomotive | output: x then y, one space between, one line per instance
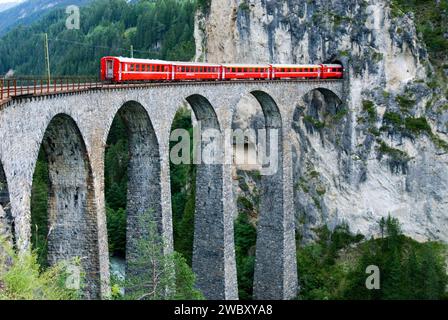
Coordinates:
119 69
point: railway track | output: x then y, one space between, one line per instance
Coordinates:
11 89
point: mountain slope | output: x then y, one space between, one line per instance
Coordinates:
30 11
7 5
162 29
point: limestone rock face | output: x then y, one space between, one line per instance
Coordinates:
386 152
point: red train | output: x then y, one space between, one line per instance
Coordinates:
119 69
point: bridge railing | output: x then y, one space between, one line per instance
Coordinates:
25 86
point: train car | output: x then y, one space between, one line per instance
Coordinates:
195 71
295 71
332 71
119 69
245 71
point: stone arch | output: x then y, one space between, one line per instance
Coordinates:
275 267
72 214
319 107
270 109
213 248
319 130
6 219
204 111
143 199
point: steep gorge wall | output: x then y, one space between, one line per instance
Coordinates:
390 154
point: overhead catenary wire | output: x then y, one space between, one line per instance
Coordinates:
99 46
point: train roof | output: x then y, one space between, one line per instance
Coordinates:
156 61
134 60
198 64
295 65
242 65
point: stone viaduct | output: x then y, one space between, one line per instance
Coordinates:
73 128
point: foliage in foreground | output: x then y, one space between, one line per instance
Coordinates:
22 279
335 266
158 276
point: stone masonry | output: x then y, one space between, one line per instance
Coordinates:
73 129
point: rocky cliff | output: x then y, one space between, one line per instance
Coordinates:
389 154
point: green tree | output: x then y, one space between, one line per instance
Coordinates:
158 275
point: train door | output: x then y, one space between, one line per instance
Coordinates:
109 69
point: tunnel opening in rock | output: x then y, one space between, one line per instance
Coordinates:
334 61
132 192
7 230
63 212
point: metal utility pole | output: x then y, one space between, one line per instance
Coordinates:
47 57
132 51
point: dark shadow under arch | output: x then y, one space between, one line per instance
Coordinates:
143 200
270 109
6 219
322 109
72 220
204 112
275 269
211 259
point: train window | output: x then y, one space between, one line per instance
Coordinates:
132 67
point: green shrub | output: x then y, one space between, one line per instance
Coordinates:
314 122
21 278
417 125
393 118
405 103
369 107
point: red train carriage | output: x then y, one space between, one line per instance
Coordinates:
245 71
195 71
291 71
332 71
118 69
